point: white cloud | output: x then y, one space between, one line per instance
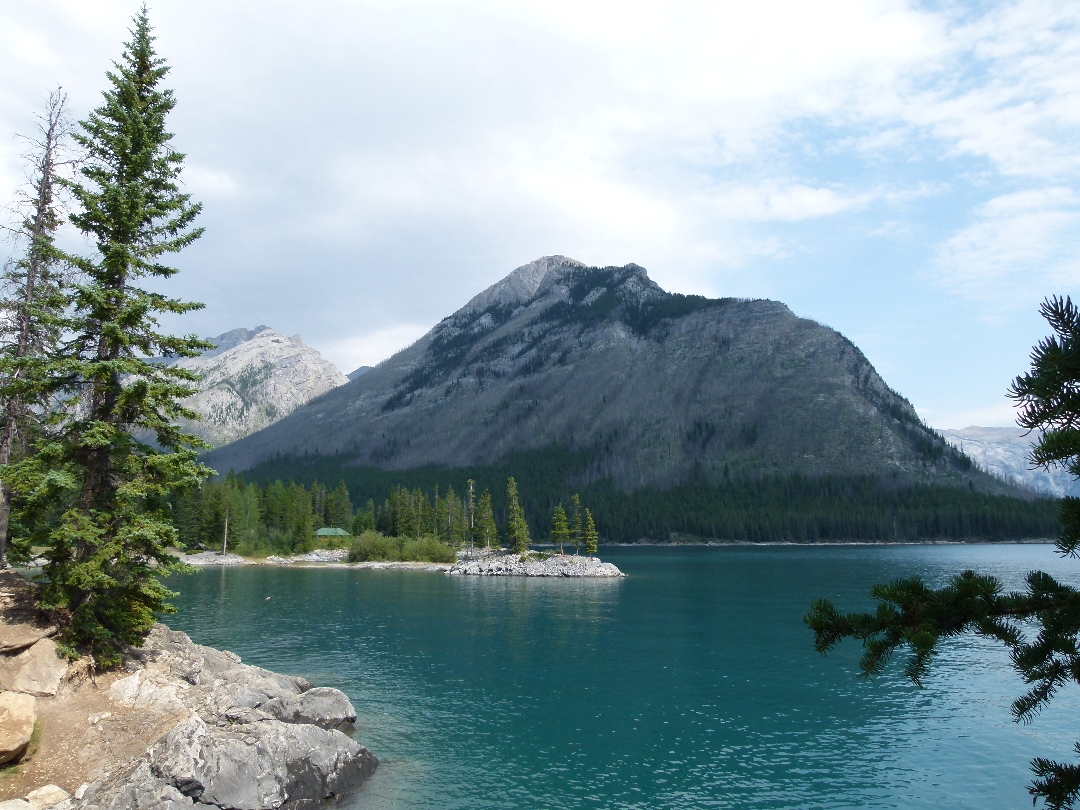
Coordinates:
1019 243
1002 414
371 348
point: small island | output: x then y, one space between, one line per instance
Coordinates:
535 565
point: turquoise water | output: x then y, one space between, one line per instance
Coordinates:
692 683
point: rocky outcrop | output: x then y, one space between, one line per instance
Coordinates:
249 738
321 555
35 671
18 713
253 379
204 558
513 565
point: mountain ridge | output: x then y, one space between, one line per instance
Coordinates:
656 386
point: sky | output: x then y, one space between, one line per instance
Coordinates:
905 173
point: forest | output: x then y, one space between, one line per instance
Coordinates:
779 508
252 519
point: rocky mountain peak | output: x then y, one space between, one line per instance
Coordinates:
521 284
253 378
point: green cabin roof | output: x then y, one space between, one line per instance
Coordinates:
332 532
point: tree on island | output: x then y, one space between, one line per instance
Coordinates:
517 530
575 524
560 529
914 617
487 531
589 536
32 306
107 549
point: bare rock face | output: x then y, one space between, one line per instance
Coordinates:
18 713
250 739
1004 452
36 671
252 380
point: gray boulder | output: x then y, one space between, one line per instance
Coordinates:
36 671
18 713
246 766
322 706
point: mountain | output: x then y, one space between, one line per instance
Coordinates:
251 379
642 387
360 372
1004 453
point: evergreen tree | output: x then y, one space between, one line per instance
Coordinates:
470 512
589 536
560 529
517 530
575 524
32 306
914 617
487 531
108 550
339 511
364 521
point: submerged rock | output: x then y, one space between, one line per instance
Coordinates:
513 565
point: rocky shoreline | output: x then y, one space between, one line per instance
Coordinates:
179 726
513 565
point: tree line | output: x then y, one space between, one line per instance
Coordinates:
251 518
764 509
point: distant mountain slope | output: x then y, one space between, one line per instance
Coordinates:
652 387
1004 452
252 379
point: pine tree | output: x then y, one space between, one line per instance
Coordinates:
109 548
575 524
486 528
560 529
1040 625
517 530
32 306
589 536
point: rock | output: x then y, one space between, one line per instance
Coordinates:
15 637
46 796
36 671
18 713
250 766
321 706
16 804
559 565
246 737
208 558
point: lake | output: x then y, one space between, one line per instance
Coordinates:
691 683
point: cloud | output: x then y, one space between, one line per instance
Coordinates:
371 348
1001 414
1021 242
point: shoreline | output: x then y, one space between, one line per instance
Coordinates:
213 559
